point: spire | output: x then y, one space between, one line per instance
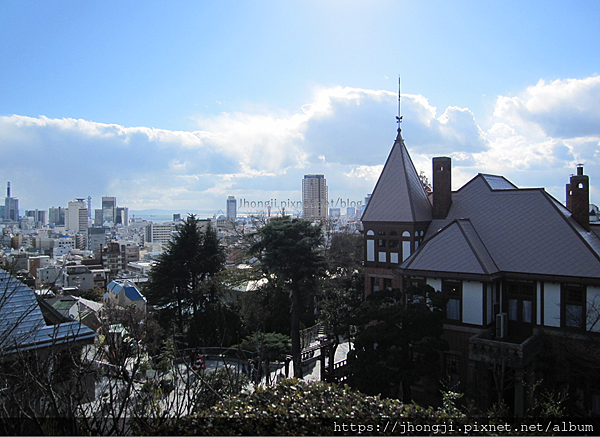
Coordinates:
399 116
399 195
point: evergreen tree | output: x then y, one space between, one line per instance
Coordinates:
289 256
184 283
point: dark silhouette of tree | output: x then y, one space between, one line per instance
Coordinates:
184 284
289 256
396 345
341 291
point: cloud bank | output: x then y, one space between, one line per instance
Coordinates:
534 139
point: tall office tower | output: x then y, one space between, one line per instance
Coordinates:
56 215
231 208
122 216
39 217
109 209
314 196
89 205
11 206
77 216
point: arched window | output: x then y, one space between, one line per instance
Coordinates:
406 234
370 233
381 232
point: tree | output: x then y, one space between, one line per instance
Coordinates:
289 256
183 284
341 291
396 345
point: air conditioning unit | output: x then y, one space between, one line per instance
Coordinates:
501 325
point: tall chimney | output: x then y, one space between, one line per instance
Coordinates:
578 197
442 186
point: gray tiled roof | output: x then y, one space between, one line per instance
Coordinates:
457 249
523 230
399 195
22 325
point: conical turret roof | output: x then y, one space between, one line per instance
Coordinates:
399 195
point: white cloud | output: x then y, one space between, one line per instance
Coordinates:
534 139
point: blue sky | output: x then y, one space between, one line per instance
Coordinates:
178 105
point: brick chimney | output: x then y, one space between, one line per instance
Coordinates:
442 186
578 197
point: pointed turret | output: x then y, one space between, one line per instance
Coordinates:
399 195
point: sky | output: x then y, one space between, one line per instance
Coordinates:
177 105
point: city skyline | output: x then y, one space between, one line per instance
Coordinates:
176 107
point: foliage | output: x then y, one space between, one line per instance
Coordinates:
295 407
269 346
341 292
289 256
184 283
396 345
266 309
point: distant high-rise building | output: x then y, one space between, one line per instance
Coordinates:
109 209
176 217
231 208
77 216
334 212
11 206
314 196
350 212
39 217
56 216
367 199
122 216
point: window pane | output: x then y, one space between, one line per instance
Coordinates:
574 315
370 250
512 309
405 250
527 311
382 257
394 257
453 309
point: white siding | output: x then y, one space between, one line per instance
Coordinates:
472 302
593 308
551 304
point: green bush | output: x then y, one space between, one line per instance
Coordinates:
295 407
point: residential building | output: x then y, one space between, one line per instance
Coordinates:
521 272
115 256
124 294
314 197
